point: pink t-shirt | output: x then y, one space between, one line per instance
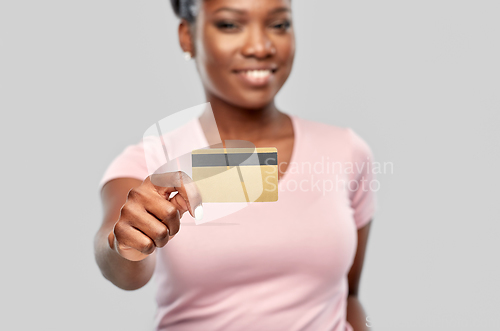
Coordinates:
271 265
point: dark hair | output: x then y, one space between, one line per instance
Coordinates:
185 9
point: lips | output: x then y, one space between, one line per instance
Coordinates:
256 76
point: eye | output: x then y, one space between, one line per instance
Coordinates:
282 25
228 26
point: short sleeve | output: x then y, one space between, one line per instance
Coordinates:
131 163
363 184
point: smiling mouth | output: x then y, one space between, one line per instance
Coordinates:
256 77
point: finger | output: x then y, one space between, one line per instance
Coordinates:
179 202
130 253
136 216
164 211
179 181
156 230
127 237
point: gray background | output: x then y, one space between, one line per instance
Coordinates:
418 80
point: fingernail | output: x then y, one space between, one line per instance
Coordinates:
198 213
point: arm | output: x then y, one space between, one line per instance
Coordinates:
356 316
138 218
127 275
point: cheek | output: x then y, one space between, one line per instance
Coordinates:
218 52
286 55
216 60
286 51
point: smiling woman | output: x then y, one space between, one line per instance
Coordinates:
244 50
293 264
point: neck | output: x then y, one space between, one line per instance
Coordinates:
236 123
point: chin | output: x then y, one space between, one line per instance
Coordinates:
246 98
252 103
253 100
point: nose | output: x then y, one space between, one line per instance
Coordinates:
258 44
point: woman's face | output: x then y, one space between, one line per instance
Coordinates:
244 49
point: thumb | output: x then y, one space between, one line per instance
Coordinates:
188 197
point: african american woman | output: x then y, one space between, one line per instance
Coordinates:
293 264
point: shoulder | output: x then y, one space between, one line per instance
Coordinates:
143 158
360 149
345 142
320 129
324 137
130 163
316 128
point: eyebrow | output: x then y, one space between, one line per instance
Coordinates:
279 10
241 12
230 9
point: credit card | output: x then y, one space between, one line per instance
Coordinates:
236 174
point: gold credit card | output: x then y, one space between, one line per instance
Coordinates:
236 174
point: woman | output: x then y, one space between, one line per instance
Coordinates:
293 264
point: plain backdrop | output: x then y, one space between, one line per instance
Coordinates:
418 80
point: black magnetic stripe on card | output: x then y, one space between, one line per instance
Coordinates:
234 159
244 159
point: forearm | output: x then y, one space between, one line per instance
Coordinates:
355 314
125 274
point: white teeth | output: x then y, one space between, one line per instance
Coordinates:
258 73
